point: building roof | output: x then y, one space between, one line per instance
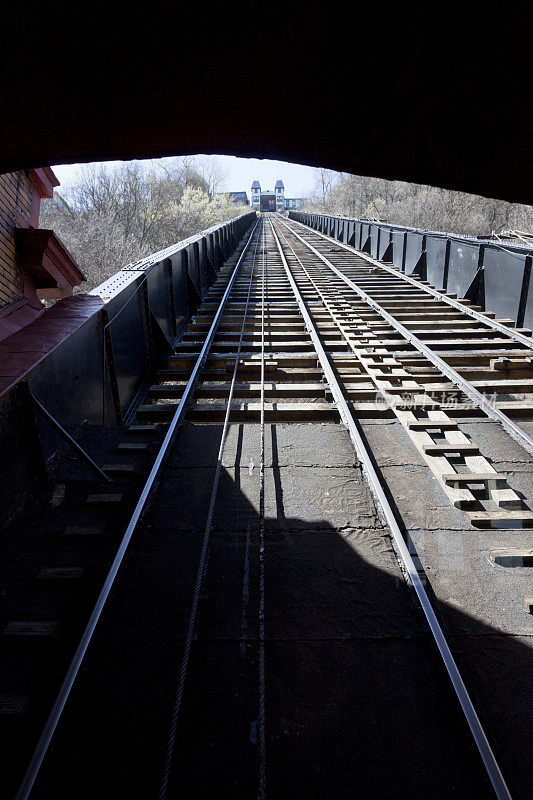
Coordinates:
256 185
279 184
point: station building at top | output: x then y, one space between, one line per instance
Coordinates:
267 199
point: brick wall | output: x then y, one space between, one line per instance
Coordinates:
15 195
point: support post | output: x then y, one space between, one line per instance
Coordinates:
52 421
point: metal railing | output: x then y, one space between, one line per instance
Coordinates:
492 274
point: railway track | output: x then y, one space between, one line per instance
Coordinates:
264 626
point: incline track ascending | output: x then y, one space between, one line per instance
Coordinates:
281 654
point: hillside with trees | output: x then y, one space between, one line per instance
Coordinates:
415 205
110 217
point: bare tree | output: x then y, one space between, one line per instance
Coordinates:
323 197
415 204
112 216
213 174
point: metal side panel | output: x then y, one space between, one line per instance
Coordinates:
350 228
504 275
452 261
159 283
69 380
374 235
365 232
436 260
179 288
528 313
413 250
464 259
398 243
384 241
358 235
130 338
194 269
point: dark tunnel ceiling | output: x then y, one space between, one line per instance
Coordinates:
441 98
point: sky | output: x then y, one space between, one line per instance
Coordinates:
297 178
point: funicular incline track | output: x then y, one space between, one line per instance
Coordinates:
420 399
261 613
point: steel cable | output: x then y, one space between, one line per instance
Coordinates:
387 513
63 694
202 565
261 658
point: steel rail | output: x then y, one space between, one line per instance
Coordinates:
477 315
261 656
478 399
202 564
489 760
66 687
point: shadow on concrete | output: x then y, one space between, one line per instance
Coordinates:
357 702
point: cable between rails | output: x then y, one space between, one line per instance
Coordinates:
491 765
476 397
202 565
63 694
261 655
